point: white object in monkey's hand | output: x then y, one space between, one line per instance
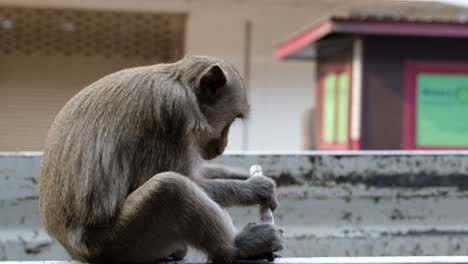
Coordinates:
266 215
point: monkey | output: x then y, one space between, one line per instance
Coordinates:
219 171
124 174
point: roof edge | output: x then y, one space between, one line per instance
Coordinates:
304 38
383 27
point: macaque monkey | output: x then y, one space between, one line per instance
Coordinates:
123 176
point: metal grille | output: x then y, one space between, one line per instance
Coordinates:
92 33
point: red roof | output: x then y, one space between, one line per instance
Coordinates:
380 17
294 46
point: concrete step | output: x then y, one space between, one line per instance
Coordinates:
333 260
332 204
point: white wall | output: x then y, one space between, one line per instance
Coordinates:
280 91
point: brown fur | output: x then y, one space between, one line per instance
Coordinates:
121 172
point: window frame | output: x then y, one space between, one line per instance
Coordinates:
411 71
324 71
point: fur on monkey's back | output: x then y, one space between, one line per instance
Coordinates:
111 138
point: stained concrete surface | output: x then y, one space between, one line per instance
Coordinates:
331 204
327 260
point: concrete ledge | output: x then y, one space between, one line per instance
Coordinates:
371 203
346 260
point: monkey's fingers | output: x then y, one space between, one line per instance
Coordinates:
268 256
277 255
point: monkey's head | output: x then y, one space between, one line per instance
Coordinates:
221 97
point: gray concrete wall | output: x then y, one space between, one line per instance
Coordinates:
316 260
331 203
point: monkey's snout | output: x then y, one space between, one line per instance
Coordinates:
219 150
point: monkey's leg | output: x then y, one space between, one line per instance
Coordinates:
255 190
218 171
165 213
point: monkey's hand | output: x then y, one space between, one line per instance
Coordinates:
256 240
264 190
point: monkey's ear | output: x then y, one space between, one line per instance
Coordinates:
211 83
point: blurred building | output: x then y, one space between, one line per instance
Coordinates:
391 75
47 55
50 49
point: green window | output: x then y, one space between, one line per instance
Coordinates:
442 110
335 116
329 108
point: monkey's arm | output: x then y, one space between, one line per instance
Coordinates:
255 190
218 171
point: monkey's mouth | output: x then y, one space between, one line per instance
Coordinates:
219 150
216 147
212 149
212 153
